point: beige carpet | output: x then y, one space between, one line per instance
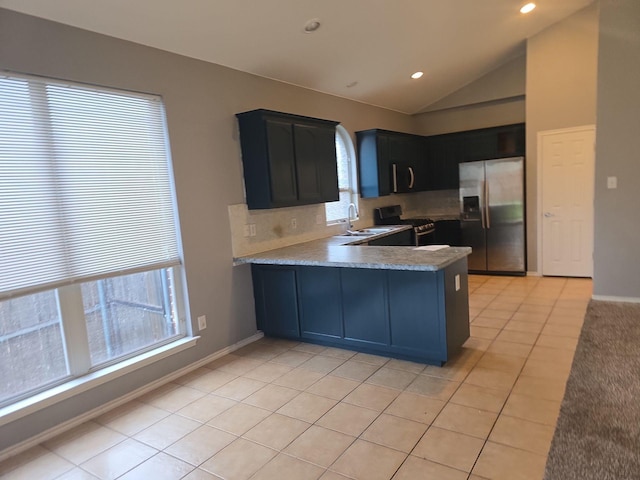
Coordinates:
598 430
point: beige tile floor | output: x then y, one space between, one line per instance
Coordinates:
285 410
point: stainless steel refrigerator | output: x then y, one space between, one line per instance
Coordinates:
492 215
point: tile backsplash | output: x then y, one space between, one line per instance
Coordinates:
255 231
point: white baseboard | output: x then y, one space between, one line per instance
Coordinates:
102 409
607 298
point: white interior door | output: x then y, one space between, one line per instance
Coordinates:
567 187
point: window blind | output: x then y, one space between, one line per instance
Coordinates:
85 184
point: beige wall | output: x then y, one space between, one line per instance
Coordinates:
561 93
470 117
201 100
506 81
497 98
616 258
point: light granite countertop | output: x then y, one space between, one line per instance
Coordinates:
352 252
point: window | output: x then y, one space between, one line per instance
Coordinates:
337 211
89 259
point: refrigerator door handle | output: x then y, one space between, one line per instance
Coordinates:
482 207
486 203
395 177
413 177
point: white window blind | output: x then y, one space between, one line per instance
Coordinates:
85 184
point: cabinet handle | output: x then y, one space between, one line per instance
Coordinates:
395 178
412 177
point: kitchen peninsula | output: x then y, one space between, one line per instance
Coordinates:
389 300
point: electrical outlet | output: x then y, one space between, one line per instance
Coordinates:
252 230
612 182
246 230
457 277
202 322
294 223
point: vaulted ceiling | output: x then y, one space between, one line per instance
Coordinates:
364 50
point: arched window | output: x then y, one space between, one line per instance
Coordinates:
346 157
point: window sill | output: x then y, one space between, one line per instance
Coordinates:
75 386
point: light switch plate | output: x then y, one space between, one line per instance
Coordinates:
612 182
202 322
457 282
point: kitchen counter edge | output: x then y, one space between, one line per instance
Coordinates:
342 251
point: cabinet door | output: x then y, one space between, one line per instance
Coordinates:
364 297
448 232
444 156
282 162
383 164
276 300
307 163
422 165
511 140
399 149
317 170
479 145
404 154
320 303
416 314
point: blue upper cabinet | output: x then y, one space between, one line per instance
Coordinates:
393 162
287 159
390 162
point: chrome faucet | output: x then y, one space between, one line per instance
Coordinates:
355 215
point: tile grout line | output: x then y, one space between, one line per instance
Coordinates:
518 377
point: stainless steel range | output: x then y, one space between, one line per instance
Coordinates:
423 227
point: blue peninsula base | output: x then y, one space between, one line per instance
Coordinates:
421 316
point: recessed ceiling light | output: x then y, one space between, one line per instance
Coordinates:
312 25
528 7
417 75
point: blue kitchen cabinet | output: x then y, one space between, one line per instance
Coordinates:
455 285
431 160
448 232
414 315
374 167
390 162
276 299
287 159
316 166
445 152
414 299
364 305
320 303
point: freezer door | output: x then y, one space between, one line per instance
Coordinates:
504 194
472 213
